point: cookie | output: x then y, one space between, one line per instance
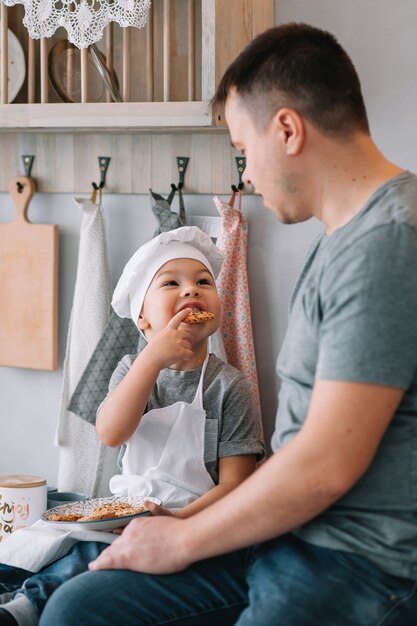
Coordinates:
198 317
56 517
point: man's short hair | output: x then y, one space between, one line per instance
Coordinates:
302 67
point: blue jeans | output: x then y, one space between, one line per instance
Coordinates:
40 586
284 582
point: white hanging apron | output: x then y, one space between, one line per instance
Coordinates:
164 457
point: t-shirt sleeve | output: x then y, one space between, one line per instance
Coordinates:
240 431
119 373
368 297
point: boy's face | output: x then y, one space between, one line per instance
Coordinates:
180 284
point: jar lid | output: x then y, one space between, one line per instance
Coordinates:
15 481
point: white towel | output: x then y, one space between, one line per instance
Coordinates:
85 465
36 546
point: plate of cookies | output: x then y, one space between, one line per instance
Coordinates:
97 513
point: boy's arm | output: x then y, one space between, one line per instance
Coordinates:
233 470
122 410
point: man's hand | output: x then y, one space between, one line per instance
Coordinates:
152 545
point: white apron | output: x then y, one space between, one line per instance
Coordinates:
164 457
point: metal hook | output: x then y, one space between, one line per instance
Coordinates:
182 163
27 164
241 166
103 163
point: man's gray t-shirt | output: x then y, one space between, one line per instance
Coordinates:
353 317
232 427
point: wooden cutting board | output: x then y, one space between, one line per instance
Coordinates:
28 286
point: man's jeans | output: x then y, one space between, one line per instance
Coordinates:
39 587
284 582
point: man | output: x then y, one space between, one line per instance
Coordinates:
333 512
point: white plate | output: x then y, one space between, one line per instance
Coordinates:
86 506
16 66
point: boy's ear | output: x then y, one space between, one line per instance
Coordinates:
143 323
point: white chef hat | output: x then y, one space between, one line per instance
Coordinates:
188 242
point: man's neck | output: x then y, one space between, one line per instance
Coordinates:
351 173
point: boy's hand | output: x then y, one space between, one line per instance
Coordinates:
154 509
173 343
157 509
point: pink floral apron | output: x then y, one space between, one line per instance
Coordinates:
233 287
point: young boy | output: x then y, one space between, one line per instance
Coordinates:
187 418
204 455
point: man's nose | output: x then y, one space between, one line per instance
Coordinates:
245 177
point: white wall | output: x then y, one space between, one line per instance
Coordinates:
380 37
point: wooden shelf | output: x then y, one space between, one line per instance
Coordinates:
143 116
144 134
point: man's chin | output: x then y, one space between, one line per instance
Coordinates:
282 216
270 207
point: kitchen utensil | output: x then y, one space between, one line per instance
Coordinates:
28 286
16 66
64 55
109 78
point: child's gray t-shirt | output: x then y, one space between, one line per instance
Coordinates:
232 425
353 317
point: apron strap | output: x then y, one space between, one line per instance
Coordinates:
197 403
231 202
181 214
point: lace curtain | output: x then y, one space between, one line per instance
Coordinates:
84 20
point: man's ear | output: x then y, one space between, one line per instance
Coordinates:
143 323
291 130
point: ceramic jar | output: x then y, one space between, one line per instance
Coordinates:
22 502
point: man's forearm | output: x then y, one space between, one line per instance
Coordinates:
281 495
335 447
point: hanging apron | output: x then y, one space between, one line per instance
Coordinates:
85 464
165 455
120 337
161 208
236 324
